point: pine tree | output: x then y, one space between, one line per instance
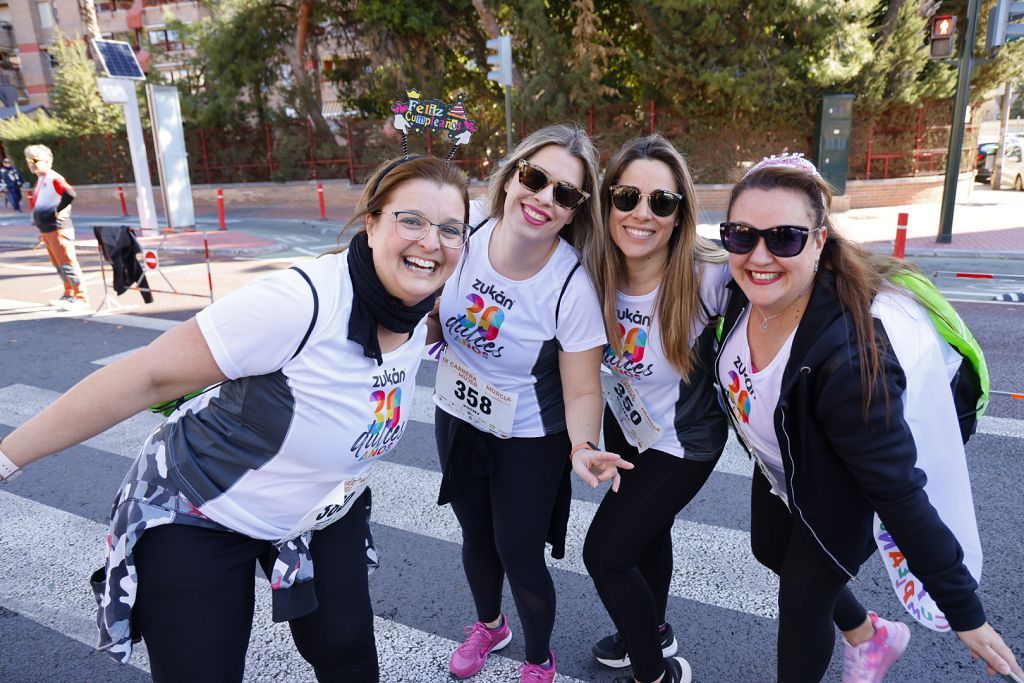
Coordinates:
75 97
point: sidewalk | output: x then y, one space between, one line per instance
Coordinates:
987 224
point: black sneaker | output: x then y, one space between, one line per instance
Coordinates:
611 650
677 670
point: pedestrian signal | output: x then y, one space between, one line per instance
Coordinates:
500 60
943 36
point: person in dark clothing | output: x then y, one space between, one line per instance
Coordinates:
12 181
660 285
837 383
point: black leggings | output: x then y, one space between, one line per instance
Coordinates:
628 550
196 598
812 593
505 515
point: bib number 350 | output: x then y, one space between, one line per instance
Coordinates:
630 412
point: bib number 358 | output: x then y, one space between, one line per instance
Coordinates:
472 397
463 393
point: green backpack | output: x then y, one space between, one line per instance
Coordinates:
970 385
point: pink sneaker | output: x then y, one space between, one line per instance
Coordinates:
471 656
868 662
535 673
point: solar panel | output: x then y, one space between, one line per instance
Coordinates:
118 59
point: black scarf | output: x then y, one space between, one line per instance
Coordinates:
372 304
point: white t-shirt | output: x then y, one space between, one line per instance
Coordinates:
642 362
258 453
505 332
752 399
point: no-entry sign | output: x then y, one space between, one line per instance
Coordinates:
150 259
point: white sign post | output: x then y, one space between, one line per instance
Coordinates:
122 91
171 156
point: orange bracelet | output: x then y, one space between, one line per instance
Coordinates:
588 445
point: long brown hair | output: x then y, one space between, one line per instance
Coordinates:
391 175
859 274
678 301
582 231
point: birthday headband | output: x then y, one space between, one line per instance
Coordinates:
790 160
794 160
418 115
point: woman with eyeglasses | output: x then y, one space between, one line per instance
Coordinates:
661 285
838 385
518 390
309 368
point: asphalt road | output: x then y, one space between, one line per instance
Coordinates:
52 521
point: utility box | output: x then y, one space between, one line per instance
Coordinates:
832 140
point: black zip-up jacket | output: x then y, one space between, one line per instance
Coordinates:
841 469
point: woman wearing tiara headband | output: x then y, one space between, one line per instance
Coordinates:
661 286
269 466
837 383
518 388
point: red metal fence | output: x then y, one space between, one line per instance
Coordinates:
903 142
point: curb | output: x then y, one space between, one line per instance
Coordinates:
883 248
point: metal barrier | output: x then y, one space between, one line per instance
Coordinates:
149 260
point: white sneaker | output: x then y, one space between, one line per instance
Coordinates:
75 304
63 302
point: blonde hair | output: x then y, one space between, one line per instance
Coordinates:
38 152
678 302
582 231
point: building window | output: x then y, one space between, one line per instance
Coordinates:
45 14
165 39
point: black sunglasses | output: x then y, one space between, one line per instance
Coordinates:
536 179
782 240
662 202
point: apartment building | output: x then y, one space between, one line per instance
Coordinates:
26 33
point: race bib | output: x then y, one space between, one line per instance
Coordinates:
461 392
331 507
630 412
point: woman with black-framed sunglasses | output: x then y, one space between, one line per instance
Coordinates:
660 286
838 385
518 388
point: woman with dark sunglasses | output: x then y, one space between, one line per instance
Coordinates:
838 385
518 387
661 285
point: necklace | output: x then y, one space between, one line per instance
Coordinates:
765 318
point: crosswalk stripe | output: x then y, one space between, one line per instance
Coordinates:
14 310
50 588
720 569
108 360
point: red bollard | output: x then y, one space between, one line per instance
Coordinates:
323 205
899 248
220 210
120 195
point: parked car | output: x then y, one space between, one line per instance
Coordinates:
1013 168
985 161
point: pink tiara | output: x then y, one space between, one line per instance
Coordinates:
796 161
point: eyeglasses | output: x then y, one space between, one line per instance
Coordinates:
782 240
414 227
31 160
536 179
663 203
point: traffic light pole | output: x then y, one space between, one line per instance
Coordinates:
508 118
956 132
